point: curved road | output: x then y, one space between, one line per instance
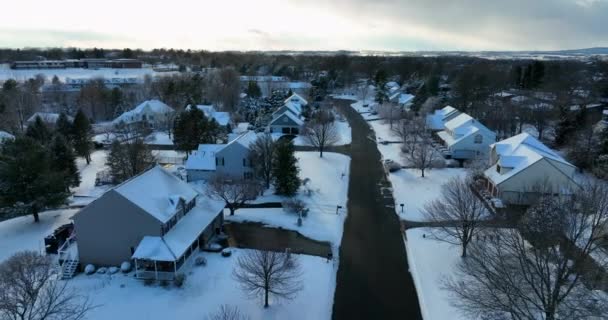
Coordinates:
373 281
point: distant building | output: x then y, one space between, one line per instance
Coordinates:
81 63
49 118
288 118
222 118
153 112
231 159
466 138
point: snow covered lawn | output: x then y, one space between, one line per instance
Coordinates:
87 191
22 233
430 262
383 131
414 191
159 138
329 184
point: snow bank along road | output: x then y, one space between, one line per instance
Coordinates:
373 280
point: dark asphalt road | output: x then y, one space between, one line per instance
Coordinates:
373 281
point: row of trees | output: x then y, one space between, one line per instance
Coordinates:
38 169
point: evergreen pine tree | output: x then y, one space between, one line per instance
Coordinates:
285 169
82 132
565 126
253 90
63 160
38 131
29 184
64 127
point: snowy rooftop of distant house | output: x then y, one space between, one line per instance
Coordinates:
222 118
503 94
155 106
297 99
588 106
518 153
47 117
241 127
291 116
204 157
174 243
157 192
6 136
405 98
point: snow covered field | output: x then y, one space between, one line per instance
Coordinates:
343 129
75 73
329 184
430 262
159 138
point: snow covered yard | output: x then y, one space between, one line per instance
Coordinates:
414 191
430 262
205 289
342 128
159 138
87 191
22 233
383 130
329 184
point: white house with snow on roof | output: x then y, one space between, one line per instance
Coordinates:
154 220
152 112
288 118
437 119
520 165
231 159
466 138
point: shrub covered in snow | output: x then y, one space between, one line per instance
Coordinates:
125 267
214 247
200 261
89 269
102 270
293 205
179 280
113 270
226 253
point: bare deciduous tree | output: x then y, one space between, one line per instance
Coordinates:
262 153
420 153
543 270
458 213
321 130
228 312
389 112
30 290
265 273
234 191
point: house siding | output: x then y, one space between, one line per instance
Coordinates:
109 227
283 121
468 149
517 189
232 165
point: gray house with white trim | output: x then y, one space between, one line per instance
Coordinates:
155 220
230 159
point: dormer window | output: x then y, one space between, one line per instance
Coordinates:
478 139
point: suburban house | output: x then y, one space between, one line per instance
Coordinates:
287 119
231 159
520 163
403 100
152 112
49 118
154 220
222 118
436 120
466 138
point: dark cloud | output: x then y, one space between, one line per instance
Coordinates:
497 24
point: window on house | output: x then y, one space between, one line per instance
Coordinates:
478 138
244 162
216 161
223 163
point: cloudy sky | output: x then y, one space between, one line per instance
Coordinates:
392 25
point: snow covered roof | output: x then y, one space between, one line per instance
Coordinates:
519 152
222 118
297 99
156 191
461 127
458 121
204 157
291 116
245 139
405 98
436 120
174 243
241 127
6 136
154 106
47 117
